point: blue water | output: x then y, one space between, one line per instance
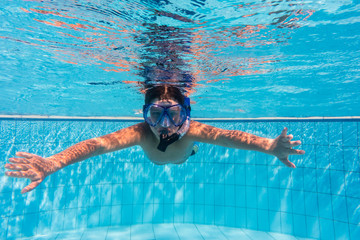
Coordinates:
252 58
234 60
216 187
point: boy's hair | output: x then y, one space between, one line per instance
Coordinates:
163 92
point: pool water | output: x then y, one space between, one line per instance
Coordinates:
216 190
234 59
72 70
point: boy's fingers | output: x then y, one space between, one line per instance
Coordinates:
25 154
296 152
288 163
295 143
283 132
30 187
19 174
18 167
18 160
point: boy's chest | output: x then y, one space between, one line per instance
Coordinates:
177 152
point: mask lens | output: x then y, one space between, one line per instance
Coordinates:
155 113
177 114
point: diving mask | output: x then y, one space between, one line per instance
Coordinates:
177 113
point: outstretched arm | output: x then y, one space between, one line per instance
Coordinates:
281 147
37 168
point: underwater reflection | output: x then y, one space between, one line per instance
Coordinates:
161 41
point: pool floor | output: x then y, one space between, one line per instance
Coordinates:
167 232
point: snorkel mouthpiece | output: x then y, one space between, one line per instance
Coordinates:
166 140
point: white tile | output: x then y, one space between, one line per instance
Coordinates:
280 236
95 233
142 232
258 234
209 232
234 233
165 232
188 231
71 235
300 238
119 232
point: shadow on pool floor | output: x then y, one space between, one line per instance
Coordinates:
166 232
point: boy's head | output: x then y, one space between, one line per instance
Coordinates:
166 110
164 92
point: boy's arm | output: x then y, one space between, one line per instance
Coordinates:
281 147
121 139
37 168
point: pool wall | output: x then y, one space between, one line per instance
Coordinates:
217 186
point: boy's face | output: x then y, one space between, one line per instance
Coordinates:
165 126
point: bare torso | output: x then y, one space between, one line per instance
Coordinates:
176 153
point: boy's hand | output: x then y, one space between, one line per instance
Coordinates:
282 148
30 166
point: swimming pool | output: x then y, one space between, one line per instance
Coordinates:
218 187
69 69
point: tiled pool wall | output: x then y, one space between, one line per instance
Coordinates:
220 186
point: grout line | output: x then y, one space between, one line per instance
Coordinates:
199 231
218 227
173 224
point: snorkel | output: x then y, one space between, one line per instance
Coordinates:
165 138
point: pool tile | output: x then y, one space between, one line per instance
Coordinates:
210 232
257 234
341 230
165 232
119 232
116 215
158 213
335 133
126 214
188 213
234 233
251 218
298 202
327 229
105 216
219 194
188 232
146 211
251 197
280 236
230 195
339 208
219 215
262 198
95 234
230 216
240 217
70 216
325 206
350 134
14 227
263 220
313 227
299 225
287 225
168 213
142 232
71 235
354 231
